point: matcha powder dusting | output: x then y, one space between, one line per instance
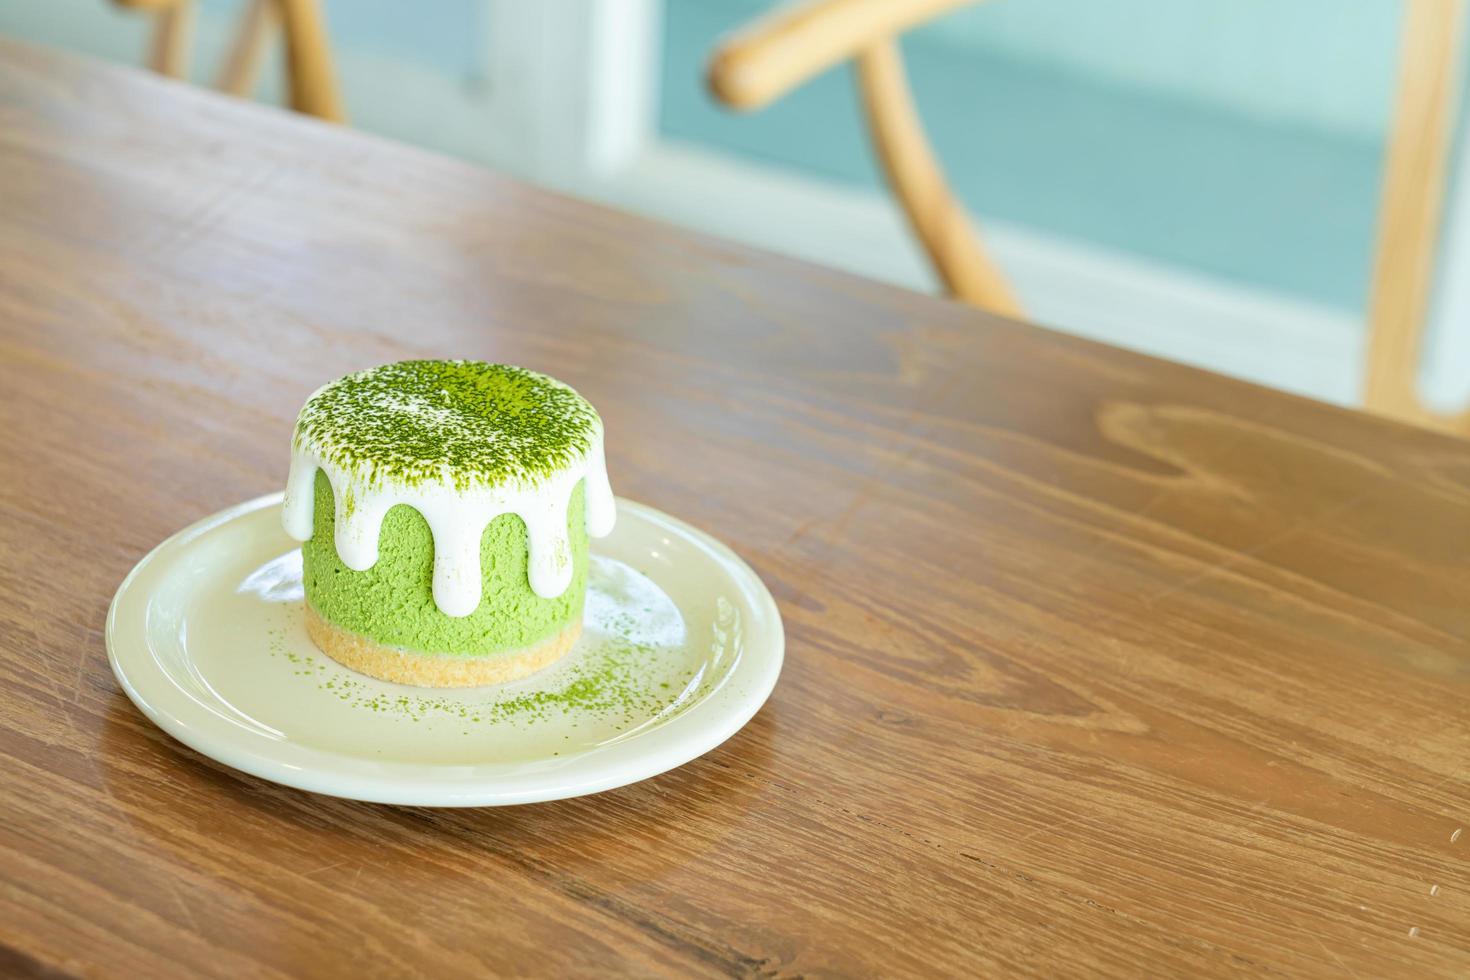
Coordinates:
475 422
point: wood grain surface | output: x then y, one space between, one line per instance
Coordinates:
1096 664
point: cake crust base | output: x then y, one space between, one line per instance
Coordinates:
435 669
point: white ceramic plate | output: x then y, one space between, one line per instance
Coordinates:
681 645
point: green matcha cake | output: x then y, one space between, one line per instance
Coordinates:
444 509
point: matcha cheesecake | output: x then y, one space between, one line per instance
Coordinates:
444 509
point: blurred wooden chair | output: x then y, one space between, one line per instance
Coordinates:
767 59
1412 202
311 82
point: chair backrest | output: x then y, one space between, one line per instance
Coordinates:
776 54
311 81
770 57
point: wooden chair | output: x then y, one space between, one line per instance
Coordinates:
1412 201
312 84
767 59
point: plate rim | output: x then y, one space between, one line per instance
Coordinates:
701 731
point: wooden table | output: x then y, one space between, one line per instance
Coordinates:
1096 664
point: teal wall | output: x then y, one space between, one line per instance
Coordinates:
1324 64
1238 138
447 41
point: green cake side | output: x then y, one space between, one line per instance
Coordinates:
392 603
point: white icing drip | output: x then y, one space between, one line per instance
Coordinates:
457 520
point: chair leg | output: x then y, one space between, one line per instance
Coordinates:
936 216
242 65
172 33
309 60
1412 201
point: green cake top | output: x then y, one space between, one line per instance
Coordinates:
474 422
